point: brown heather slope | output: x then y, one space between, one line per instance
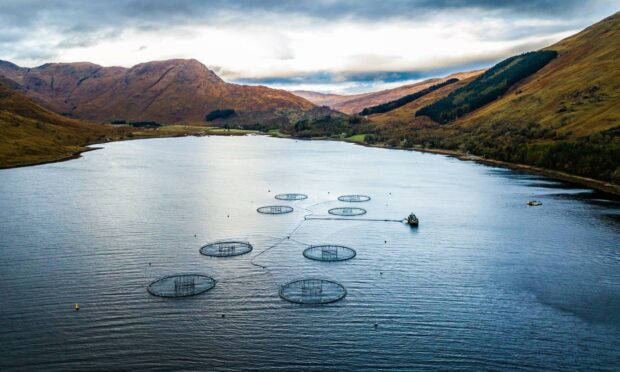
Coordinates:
169 91
577 93
29 134
353 104
322 99
564 117
405 115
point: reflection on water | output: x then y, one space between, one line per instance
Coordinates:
485 282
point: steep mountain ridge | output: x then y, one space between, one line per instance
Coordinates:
167 91
565 116
578 93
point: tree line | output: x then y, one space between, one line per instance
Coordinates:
389 106
488 87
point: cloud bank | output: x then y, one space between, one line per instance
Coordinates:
346 45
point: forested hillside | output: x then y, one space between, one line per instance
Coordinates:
488 87
389 106
564 116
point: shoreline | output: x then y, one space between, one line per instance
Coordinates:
602 186
592 183
599 185
73 156
87 147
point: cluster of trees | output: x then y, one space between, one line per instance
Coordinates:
220 114
144 124
389 106
488 87
137 124
256 126
596 156
326 126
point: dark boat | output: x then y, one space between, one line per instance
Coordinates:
534 203
412 220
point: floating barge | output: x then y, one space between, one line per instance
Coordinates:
412 220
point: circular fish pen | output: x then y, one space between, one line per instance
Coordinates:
312 291
354 198
347 211
275 209
329 253
226 248
291 196
181 285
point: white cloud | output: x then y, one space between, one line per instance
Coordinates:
345 50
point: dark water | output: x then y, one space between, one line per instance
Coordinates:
484 283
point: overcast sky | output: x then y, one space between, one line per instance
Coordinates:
335 46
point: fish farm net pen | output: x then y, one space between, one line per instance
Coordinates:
329 253
347 211
291 196
275 209
226 248
354 198
312 291
181 285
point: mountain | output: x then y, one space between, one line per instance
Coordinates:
577 94
563 116
30 134
404 116
353 104
320 99
170 91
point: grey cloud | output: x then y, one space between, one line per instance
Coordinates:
79 23
371 74
75 19
95 14
34 54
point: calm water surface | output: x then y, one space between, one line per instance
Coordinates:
485 282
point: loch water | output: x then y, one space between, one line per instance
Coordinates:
485 281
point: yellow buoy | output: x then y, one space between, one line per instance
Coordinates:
77 307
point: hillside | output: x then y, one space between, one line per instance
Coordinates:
169 91
488 87
352 104
29 134
578 93
322 99
404 118
565 116
400 102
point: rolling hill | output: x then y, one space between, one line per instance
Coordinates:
565 116
404 118
170 91
352 104
578 93
30 134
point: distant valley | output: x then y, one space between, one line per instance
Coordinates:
557 108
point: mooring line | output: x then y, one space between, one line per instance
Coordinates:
350 219
308 217
287 237
276 244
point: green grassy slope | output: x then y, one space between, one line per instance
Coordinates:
488 87
565 116
400 102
